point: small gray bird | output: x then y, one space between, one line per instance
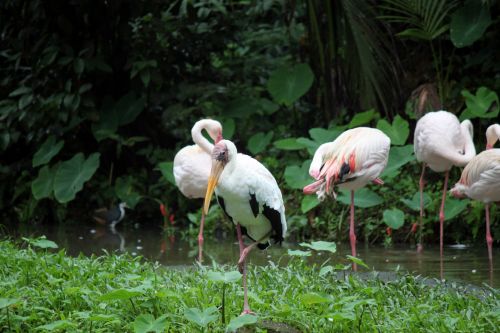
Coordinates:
110 216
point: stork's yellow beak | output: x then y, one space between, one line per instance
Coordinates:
213 179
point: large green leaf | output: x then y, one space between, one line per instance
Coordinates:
398 132
49 149
356 260
43 185
363 198
225 277
259 141
297 177
147 323
116 114
398 156
6 302
394 218
167 170
308 202
240 321
288 144
484 104
321 246
288 83
362 118
321 135
299 253
453 207
201 318
20 91
315 298
228 128
72 174
42 243
125 191
267 106
469 22
57 325
414 202
309 144
128 108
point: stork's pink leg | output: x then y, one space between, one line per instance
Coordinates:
352 234
246 307
441 212
420 247
200 237
489 239
240 237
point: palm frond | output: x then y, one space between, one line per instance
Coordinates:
423 19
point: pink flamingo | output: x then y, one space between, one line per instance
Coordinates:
480 179
441 142
354 159
192 166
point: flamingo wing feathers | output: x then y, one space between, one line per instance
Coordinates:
191 170
480 179
355 158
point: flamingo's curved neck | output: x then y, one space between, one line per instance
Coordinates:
469 149
199 139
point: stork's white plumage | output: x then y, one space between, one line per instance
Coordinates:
250 197
192 165
480 179
441 142
357 157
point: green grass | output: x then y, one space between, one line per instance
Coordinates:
42 290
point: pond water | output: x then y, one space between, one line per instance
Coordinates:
459 263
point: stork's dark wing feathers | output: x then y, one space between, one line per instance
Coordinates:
275 218
254 204
222 205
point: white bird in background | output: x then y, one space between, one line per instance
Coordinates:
250 197
192 165
441 142
357 157
492 135
480 179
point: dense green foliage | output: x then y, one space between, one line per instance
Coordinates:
49 291
96 98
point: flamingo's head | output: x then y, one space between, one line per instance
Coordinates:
458 191
214 129
492 135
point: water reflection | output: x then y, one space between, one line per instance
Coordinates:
457 263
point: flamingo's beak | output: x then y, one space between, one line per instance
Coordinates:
314 187
213 179
488 146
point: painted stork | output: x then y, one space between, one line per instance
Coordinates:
480 179
354 159
441 142
249 195
192 166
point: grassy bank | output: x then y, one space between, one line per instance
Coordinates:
45 290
